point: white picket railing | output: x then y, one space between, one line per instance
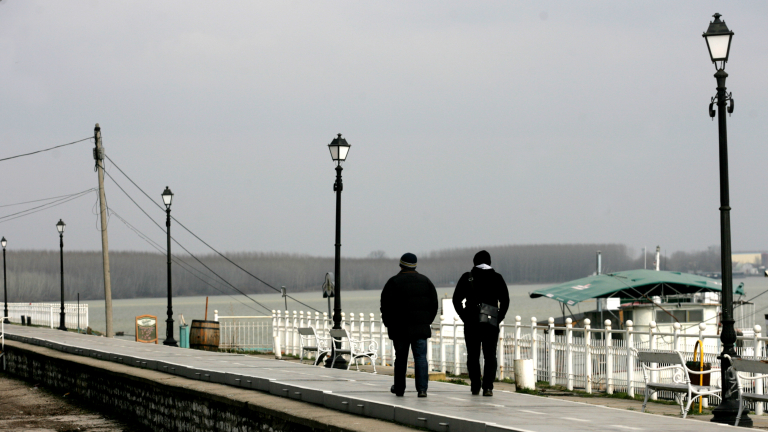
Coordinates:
48 314
591 359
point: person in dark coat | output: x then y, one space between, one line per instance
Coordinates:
408 307
481 285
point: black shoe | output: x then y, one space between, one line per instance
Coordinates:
422 393
392 389
487 392
475 392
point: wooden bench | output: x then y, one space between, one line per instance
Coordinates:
679 384
311 342
743 370
356 349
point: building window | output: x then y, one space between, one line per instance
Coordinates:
680 315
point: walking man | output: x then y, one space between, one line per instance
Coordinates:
481 289
408 307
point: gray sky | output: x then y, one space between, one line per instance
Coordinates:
471 123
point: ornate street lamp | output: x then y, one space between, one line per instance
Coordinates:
718 39
167 199
339 149
60 228
3 242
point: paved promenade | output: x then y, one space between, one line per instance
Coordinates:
449 407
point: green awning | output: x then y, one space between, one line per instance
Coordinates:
633 284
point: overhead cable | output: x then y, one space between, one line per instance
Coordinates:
181 246
203 241
183 264
45 150
45 206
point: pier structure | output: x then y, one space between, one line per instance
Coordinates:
208 391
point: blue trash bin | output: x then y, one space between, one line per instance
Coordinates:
184 336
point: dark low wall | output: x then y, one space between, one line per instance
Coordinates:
163 402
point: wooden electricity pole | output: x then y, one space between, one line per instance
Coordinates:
98 155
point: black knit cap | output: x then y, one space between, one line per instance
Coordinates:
408 261
482 257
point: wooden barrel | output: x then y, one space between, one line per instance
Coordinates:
204 335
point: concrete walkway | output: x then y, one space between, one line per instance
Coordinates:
449 407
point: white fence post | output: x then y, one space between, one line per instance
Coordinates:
216 315
588 355
442 344
277 329
758 383
382 346
500 353
534 349
456 370
630 360
608 358
551 349
569 352
676 337
52 315
517 337
652 345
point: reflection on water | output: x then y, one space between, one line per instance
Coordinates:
125 311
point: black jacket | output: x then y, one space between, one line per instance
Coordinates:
487 287
408 306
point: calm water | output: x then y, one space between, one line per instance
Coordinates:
125 311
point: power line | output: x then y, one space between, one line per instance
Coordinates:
183 264
201 240
42 207
42 199
45 150
181 246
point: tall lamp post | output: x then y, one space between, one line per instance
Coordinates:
60 228
339 149
167 199
718 39
3 242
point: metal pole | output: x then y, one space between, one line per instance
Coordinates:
5 291
62 326
78 312
337 187
729 407
169 322
98 155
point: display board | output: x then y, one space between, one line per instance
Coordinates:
146 329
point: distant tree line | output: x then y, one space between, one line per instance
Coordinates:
35 275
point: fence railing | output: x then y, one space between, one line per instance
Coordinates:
48 314
590 359
245 333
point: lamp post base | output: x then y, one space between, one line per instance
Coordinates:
341 362
726 412
170 342
6 320
62 326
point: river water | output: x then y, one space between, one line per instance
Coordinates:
126 310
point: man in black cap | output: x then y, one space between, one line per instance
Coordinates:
481 286
408 307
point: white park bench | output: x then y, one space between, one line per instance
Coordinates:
744 369
356 349
679 384
311 342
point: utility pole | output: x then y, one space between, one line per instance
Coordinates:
98 155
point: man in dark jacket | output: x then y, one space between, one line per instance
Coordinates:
481 285
408 307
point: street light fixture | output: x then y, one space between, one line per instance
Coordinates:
339 148
60 228
167 199
4 242
718 39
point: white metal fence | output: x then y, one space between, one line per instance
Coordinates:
48 314
593 360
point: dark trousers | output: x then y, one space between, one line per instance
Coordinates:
419 348
486 337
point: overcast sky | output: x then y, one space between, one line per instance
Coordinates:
471 123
